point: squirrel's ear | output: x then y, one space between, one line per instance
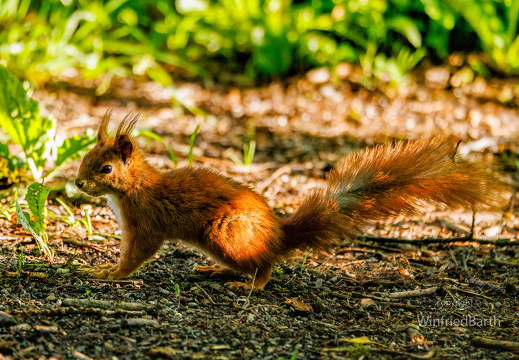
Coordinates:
124 144
123 141
102 133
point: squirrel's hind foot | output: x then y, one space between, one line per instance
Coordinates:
104 271
257 282
216 271
235 285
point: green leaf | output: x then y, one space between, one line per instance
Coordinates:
192 145
34 227
23 217
13 161
151 135
156 137
72 147
273 55
406 27
36 197
4 151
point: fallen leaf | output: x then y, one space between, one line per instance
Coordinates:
298 305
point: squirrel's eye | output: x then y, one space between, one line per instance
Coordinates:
106 169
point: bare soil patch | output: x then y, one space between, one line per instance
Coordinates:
447 296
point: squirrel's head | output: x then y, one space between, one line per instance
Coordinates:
107 168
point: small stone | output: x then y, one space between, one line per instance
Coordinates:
163 352
141 322
216 286
51 298
46 329
6 319
343 70
164 291
318 76
299 305
367 303
21 327
437 77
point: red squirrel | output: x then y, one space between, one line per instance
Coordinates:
234 225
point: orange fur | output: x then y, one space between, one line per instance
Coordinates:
234 225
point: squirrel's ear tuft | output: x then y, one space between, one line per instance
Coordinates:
124 144
123 136
127 125
102 133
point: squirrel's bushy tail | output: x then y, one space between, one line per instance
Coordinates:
387 180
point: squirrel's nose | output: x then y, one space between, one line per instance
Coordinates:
80 183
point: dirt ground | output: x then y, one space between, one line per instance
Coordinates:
411 287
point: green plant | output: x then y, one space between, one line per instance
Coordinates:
357 350
294 354
21 261
303 262
246 39
87 221
70 219
34 221
159 138
175 287
192 139
499 36
249 151
35 135
5 212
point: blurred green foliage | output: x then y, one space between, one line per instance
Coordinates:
248 38
22 125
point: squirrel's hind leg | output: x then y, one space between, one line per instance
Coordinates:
258 281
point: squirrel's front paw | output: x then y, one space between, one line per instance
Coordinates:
104 271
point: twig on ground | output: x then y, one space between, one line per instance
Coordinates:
207 296
505 263
81 356
379 247
413 293
83 244
359 250
504 241
406 355
64 311
120 281
281 171
246 301
470 293
107 304
496 344
460 229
